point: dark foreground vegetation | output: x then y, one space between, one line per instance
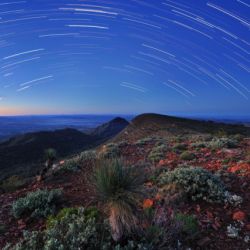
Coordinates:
157 185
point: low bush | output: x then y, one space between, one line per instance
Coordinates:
2 229
37 204
69 166
72 229
198 145
144 141
87 156
12 183
187 156
196 182
158 153
189 223
219 143
179 147
110 151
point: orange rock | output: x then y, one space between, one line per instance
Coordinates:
158 197
148 203
240 216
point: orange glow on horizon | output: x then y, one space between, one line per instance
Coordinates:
12 111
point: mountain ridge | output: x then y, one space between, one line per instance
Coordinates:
25 152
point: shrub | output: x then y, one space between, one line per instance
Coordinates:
87 156
69 166
196 182
30 241
37 204
50 154
144 141
110 151
12 183
189 223
162 232
72 229
158 153
180 147
199 145
218 143
89 213
118 187
2 229
187 156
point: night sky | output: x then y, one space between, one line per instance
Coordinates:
125 57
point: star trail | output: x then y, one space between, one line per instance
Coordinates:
125 56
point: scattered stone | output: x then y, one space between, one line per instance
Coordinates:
232 232
246 239
234 200
239 216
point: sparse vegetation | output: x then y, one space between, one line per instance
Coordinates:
87 156
196 182
50 156
144 141
76 228
110 151
12 183
179 147
224 142
158 153
37 204
187 156
189 223
119 188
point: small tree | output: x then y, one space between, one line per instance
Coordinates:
50 156
119 188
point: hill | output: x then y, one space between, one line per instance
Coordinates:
24 154
194 177
147 125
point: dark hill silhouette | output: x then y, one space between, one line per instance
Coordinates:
149 124
24 154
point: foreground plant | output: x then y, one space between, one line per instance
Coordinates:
119 188
197 183
71 228
37 204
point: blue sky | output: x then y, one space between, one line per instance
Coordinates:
125 56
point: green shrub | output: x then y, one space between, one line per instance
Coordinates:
219 143
70 166
2 229
238 137
12 183
199 145
119 188
144 141
50 154
87 156
37 204
110 151
196 182
189 223
187 156
158 153
89 213
74 229
180 147
30 241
